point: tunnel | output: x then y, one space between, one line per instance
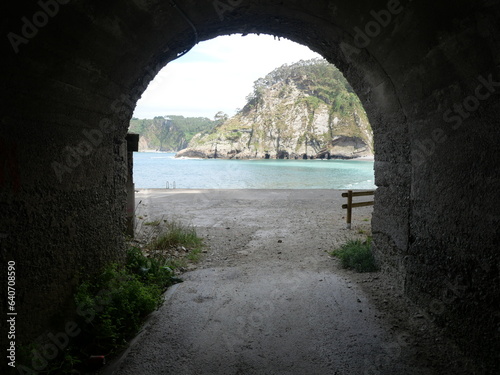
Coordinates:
427 73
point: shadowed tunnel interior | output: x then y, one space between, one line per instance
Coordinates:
428 75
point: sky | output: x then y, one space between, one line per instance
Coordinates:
217 75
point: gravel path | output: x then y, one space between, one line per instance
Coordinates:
267 298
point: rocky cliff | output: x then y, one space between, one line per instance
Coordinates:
168 133
304 110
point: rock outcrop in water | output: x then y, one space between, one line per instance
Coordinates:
305 110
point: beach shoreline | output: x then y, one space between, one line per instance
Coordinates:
364 158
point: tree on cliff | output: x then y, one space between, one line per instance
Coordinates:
220 117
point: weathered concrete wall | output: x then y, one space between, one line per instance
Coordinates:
77 77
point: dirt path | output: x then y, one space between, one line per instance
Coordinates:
267 298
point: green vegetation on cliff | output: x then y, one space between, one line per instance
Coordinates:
303 110
321 81
169 133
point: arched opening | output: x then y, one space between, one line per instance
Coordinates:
68 87
272 99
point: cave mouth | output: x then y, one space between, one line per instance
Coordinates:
76 102
66 87
201 81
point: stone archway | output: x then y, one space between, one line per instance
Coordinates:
427 74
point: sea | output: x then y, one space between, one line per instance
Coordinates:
164 171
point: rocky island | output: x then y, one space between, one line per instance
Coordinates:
305 110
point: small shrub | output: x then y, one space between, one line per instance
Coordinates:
356 254
113 304
158 270
118 300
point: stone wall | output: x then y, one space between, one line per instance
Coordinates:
69 86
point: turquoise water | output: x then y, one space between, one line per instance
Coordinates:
155 170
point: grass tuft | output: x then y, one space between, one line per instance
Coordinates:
356 254
176 234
